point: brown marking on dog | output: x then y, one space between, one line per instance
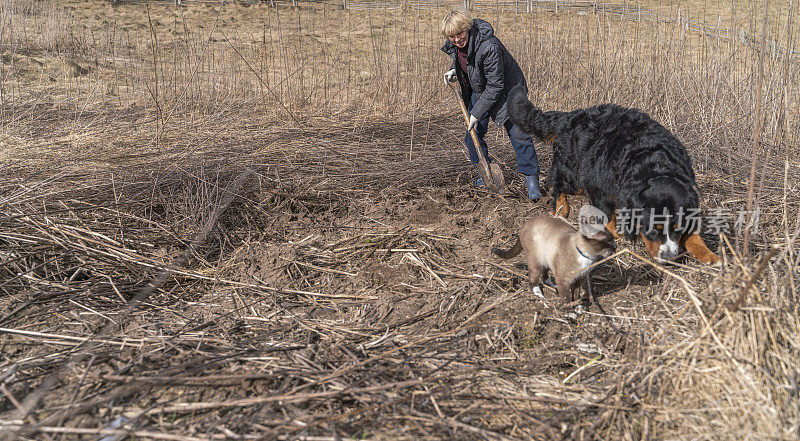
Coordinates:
562 206
611 226
652 247
697 248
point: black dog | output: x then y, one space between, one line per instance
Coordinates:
621 159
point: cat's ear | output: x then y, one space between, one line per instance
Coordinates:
596 234
592 223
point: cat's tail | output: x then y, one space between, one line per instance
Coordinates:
528 117
507 254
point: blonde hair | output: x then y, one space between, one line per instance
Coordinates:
455 22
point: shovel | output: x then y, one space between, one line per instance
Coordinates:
491 174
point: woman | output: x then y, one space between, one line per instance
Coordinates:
486 72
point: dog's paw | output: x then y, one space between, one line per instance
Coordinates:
712 259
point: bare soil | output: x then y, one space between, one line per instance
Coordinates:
373 312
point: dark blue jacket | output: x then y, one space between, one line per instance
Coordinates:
491 70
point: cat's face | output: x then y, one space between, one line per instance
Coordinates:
599 243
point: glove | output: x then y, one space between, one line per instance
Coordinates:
450 76
472 123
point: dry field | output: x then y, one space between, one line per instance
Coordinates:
248 222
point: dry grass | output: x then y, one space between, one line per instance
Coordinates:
256 223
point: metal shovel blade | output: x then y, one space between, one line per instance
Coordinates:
497 179
491 173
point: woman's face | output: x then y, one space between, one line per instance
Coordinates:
460 40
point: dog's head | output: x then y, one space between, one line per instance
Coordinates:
668 211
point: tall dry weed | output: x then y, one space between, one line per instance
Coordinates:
734 375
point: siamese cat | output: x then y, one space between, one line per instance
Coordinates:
553 244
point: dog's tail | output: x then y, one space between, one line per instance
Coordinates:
507 254
530 118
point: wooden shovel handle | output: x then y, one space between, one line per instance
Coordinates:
472 132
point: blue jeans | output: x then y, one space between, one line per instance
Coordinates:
527 162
